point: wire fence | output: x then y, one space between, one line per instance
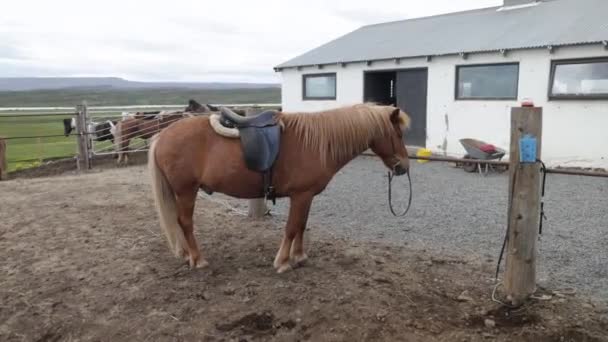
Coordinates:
35 135
127 134
34 138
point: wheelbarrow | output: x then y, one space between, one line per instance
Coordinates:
477 149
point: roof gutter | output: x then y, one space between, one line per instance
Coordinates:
514 5
429 58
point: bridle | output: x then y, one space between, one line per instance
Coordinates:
390 180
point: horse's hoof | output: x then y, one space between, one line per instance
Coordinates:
198 263
299 259
283 268
277 262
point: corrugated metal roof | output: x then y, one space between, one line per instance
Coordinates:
549 23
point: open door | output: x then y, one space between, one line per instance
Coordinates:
379 87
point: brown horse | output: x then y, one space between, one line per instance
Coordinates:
2 157
139 127
190 155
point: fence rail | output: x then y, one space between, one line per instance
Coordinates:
557 171
22 115
38 136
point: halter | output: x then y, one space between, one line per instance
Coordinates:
390 180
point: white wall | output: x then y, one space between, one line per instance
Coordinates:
575 132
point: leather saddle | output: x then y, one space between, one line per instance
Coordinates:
260 137
264 119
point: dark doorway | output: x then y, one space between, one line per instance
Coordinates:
380 87
407 89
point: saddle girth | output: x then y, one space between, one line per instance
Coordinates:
269 193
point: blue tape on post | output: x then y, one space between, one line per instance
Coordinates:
527 149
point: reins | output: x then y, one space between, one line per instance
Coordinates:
390 188
390 196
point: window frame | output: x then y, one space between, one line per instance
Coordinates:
457 79
570 61
316 98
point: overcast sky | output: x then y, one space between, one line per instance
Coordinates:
185 40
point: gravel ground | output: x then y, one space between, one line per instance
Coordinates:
465 215
83 260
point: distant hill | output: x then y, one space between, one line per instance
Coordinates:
116 83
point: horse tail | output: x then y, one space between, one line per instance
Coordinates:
165 201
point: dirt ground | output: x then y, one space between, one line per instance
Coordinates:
83 258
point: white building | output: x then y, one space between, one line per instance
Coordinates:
458 75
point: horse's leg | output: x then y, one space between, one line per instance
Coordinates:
118 152
118 147
185 209
296 222
126 149
121 153
297 254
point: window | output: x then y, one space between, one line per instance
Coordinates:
487 82
319 87
583 78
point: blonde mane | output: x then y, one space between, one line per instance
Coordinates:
344 132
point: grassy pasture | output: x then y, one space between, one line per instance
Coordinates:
24 153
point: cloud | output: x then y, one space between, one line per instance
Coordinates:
185 40
10 52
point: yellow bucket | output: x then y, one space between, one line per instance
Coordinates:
423 152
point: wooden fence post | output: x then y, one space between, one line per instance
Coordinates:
257 206
524 207
83 160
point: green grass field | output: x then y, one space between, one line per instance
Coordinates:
26 153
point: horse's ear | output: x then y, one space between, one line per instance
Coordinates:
395 115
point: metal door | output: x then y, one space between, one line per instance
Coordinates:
411 91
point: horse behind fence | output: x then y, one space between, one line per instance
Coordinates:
133 127
3 164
